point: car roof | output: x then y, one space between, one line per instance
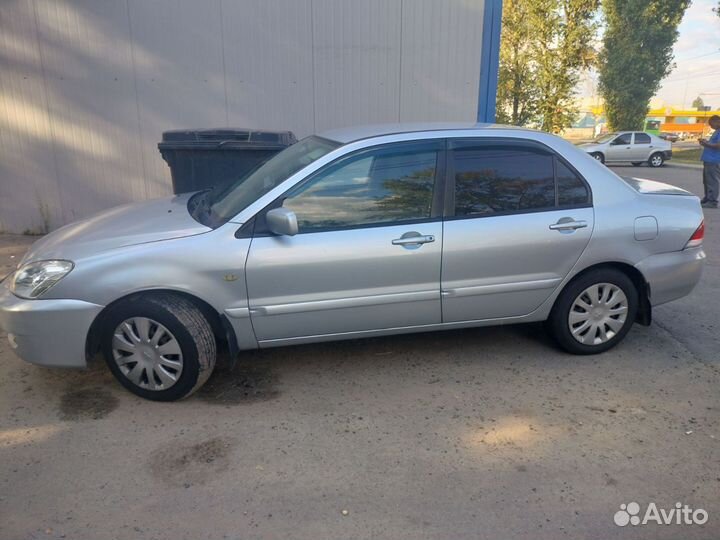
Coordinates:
355 133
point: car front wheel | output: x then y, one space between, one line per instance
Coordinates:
594 312
598 156
656 160
159 346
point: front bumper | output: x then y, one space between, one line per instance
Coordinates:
47 332
672 275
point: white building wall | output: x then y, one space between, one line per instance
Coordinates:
88 86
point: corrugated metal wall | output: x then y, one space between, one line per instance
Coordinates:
88 86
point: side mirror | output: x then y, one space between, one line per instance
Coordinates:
282 221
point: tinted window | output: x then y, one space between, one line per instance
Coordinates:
572 191
228 202
386 185
500 179
642 138
623 139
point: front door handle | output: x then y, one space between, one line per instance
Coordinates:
415 239
568 224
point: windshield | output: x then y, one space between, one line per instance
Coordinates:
216 207
605 138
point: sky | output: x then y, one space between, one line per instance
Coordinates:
697 59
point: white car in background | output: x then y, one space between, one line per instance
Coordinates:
636 147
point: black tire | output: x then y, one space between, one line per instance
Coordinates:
656 160
559 325
186 323
598 156
637 163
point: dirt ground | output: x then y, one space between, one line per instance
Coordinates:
482 434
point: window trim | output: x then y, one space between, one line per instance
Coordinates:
449 207
259 229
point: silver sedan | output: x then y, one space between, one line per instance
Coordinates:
635 147
358 232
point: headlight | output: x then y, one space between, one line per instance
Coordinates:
35 278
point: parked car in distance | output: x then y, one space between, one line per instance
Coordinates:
672 137
359 232
636 147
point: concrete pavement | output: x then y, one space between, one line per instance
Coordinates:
482 434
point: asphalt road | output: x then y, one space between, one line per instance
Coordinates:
482 434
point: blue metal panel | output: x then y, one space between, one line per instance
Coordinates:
489 60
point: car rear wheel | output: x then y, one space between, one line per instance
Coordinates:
594 312
656 160
160 346
598 156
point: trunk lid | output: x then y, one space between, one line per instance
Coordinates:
652 187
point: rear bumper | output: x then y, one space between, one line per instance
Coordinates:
668 155
672 275
47 332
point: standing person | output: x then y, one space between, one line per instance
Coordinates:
711 164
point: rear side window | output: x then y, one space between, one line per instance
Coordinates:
495 178
572 191
642 138
502 179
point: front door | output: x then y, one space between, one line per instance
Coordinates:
367 255
520 218
620 148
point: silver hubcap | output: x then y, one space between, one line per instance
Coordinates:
598 157
147 353
656 160
598 314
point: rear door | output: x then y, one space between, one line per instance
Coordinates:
518 218
641 146
367 255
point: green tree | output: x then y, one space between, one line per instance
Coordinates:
517 95
636 56
567 31
698 103
545 45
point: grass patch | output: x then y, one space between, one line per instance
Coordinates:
689 155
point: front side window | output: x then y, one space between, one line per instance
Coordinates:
390 184
623 139
642 138
226 204
502 179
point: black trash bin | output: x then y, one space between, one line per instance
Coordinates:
205 158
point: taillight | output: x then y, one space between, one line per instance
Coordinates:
697 238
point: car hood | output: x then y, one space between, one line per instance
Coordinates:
137 223
588 146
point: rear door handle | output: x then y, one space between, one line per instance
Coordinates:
566 224
412 240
